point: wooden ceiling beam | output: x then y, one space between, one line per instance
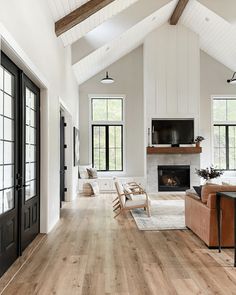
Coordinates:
179 9
79 15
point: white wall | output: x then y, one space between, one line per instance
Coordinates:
172 74
213 82
32 28
128 76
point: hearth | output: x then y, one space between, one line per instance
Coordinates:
173 178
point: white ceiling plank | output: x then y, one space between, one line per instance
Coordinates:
61 8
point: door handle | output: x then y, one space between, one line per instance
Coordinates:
20 187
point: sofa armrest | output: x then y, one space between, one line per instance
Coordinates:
211 201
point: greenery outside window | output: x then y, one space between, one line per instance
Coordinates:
107 133
224 116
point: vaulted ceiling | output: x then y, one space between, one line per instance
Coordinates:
122 25
61 8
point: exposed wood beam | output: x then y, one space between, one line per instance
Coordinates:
179 9
79 15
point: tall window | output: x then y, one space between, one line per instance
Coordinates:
224 116
107 133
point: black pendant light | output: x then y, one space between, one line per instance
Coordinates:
107 79
233 79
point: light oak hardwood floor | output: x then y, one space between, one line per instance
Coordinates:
90 252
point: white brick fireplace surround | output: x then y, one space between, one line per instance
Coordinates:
193 160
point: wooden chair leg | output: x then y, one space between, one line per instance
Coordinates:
118 213
117 207
148 211
116 199
117 203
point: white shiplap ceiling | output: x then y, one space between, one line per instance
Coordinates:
61 8
217 36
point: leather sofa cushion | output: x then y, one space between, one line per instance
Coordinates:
192 193
213 189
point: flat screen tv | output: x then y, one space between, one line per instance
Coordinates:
175 132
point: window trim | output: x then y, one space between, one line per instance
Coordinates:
220 123
104 96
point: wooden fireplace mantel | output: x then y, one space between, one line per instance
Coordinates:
174 150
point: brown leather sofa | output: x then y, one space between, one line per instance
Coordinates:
200 215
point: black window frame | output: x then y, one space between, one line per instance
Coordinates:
226 144
107 146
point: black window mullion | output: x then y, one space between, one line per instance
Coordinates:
227 146
107 148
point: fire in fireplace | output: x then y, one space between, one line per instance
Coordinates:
173 178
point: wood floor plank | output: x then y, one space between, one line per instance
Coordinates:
91 253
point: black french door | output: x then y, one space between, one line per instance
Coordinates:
29 160
9 166
19 162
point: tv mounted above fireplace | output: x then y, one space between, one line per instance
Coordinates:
172 131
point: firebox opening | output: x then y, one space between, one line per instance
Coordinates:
173 178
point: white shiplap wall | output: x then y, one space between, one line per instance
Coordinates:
172 74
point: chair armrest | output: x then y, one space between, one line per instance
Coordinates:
132 183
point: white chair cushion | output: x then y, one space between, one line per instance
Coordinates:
128 192
136 202
139 197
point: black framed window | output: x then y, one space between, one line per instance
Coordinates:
224 115
107 134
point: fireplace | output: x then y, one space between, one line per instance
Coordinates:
173 178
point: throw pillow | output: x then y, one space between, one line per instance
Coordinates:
83 174
198 190
92 173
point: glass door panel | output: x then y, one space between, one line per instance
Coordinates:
7 141
30 144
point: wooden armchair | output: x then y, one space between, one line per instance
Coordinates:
141 199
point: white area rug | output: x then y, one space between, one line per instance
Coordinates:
165 215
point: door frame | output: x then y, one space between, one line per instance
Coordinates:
62 158
68 151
